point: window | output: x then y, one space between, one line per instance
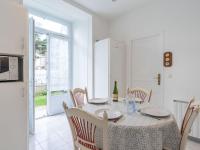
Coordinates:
52 54
59 64
50 25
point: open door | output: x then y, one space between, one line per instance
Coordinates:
58 74
50 68
31 77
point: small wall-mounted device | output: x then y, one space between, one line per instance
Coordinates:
167 59
11 68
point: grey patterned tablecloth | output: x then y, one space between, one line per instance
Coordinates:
138 132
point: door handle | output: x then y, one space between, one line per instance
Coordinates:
159 78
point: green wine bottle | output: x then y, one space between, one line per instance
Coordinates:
115 93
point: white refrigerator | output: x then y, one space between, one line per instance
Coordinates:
109 65
13 95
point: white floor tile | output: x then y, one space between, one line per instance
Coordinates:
35 147
52 145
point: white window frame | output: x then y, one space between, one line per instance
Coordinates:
50 33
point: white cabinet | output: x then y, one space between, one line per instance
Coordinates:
13 29
109 65
13 99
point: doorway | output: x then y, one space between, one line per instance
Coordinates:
147 66
50 67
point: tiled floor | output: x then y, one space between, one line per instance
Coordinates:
40 112
53 133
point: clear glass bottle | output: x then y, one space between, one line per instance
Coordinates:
131 108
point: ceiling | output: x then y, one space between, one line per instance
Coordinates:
109 9
57 9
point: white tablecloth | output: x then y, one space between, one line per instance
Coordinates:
138 132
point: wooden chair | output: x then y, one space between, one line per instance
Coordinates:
83 126
79 96
141 94
189 118
187 114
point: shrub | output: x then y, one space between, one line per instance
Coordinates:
41 93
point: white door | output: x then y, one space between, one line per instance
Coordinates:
101 68
59 74
147 66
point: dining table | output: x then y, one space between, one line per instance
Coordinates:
136 131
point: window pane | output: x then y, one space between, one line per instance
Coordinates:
50 25
59 64
40 60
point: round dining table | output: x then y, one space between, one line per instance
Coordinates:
135 131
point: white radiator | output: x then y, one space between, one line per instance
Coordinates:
180 108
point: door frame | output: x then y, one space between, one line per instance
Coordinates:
31 83
32 30
130 60
51 34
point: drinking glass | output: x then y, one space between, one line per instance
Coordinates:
131 108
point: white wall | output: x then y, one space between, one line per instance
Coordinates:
13 103
100 28
85 33
179 20
100 25
81 52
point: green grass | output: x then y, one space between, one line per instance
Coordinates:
40 101
40 98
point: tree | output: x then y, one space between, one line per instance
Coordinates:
40 44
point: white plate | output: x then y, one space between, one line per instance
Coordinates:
111 114
155 112
98 100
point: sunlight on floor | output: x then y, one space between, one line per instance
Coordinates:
52 133
40 112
